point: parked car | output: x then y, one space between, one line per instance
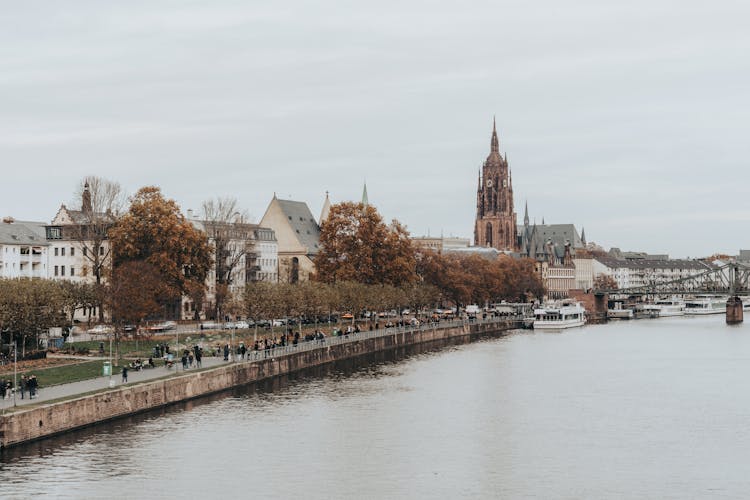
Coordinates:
210 325
230 325
242 325
100 330
163 327
129 328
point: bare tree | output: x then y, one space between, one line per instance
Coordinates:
101 203
229 230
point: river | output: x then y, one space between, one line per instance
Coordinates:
649 408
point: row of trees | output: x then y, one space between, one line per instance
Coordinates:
28 308
357 246
311 299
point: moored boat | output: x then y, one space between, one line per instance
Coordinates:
705 304
664 308
557 316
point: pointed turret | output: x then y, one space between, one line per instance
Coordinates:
526 214
365 201
325 210
494 144
86 199
583 236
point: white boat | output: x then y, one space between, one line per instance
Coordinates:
705 304
557 316
618 312
664 308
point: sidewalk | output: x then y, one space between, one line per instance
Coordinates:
84 386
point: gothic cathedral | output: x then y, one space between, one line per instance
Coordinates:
496 221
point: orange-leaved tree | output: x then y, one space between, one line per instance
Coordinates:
356 245
154 231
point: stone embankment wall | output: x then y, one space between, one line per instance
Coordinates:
56 418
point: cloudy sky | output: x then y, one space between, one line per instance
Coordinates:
627 118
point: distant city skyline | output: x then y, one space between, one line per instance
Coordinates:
625 119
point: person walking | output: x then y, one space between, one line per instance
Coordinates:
34 386
124 374
23 385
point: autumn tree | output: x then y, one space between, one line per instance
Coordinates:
356 245
28 308
154 231
135 291
605 282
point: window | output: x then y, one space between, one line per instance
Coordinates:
62 270
72 271
62 251
57 250
72 251
101 250
85 251
55 270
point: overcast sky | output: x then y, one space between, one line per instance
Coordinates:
627 118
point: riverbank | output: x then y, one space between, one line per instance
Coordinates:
24 425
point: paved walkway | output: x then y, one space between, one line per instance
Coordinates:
83 386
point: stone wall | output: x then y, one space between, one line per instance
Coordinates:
55 418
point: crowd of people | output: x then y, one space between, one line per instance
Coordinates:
28 384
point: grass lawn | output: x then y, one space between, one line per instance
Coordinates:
64 374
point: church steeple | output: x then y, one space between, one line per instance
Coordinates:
325 210
526 214
365 201
494 144
86 199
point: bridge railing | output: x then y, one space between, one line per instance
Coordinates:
343 338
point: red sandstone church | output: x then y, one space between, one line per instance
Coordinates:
496 221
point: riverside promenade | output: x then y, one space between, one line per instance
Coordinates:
73 406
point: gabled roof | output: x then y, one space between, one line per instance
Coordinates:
23 233
66 216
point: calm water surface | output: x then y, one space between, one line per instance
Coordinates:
651 408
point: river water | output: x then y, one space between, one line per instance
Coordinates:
649 408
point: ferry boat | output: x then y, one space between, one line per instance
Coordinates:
618 312
559 316
704 304
664 308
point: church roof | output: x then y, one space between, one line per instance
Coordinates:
558 233
302 222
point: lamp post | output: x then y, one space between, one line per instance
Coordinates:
15 369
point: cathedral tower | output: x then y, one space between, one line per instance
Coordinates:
496 221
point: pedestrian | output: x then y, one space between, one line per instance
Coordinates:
124 374
23 385
198 357
226 352
33 384
243 350
190 360
184 361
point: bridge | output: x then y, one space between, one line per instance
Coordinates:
730 280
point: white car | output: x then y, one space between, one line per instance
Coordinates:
242 325
100 330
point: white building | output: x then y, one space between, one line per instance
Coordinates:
639 272
23 249
251 251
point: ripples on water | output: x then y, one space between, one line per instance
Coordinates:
635 409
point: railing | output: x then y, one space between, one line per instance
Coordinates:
344 338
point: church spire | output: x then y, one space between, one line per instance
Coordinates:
365 201
495 144
526 214
583 236
86 199
325 210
